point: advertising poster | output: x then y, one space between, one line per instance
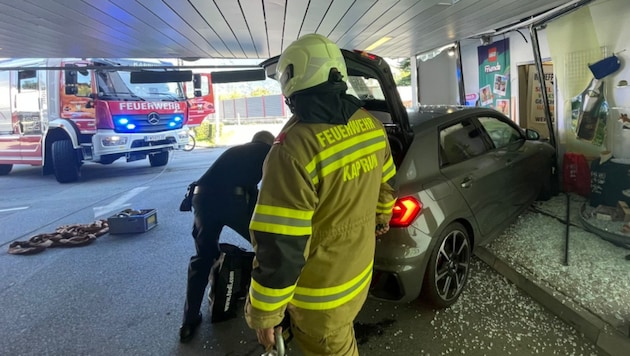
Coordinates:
494 76
535 106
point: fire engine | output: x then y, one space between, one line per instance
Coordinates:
61 113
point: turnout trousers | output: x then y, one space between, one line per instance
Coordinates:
326 332
211 215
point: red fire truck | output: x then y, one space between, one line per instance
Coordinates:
60 113
201 98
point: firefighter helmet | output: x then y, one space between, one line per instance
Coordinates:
308 62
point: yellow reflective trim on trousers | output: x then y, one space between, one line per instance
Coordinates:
268 299
332 297
279 220
343 153
389 170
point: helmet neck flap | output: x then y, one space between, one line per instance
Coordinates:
325 103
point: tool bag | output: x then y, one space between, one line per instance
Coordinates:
229 282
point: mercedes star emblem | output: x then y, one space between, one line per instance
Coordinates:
153 118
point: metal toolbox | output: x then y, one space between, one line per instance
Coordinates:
132 221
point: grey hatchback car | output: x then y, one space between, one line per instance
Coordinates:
464 175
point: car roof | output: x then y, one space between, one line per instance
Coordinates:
431 115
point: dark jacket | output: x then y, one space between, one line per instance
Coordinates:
238 166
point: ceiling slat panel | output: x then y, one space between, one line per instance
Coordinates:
117 20
470 20
394 14
274 19
214 19
385 24
46 25
160 30
371 15
457 15
243 28
139 28
197 23
293 24
194 41
351 18
314 16
57 14
252 11
335 13
409 31
208 39
234 16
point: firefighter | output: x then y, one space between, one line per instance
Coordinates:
327 190
224 195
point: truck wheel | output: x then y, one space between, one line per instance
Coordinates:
5 169
158 159
65 161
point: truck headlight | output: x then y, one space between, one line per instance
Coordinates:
114 141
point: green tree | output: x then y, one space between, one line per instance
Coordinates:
260 91
231 95
404 78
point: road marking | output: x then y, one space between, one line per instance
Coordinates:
117 205
14 209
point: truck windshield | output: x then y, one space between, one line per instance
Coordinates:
117 85
154 91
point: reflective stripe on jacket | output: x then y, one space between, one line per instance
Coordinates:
324 189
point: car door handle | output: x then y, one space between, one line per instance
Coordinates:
508 163
467 182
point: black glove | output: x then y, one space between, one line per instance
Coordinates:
186 204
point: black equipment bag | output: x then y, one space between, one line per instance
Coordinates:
229 282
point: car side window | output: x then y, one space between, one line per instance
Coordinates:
460 142
501 133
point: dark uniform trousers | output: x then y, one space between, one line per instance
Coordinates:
212 212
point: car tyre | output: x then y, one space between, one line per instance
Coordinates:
65 161
158 159
5 169
449 265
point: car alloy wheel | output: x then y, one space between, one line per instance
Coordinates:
448 268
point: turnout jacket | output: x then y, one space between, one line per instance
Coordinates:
324 188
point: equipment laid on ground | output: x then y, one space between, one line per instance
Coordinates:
72 235
229 282
131 221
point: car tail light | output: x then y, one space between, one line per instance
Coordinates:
405 211
365 54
